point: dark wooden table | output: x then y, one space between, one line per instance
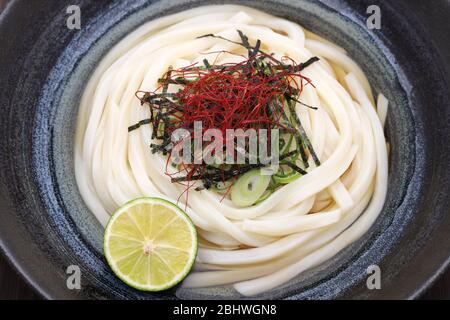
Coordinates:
12 286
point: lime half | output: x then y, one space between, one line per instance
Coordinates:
150 244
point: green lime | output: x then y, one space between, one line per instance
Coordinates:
150 244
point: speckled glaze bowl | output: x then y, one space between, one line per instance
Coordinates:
45 226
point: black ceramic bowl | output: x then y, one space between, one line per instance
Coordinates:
45 226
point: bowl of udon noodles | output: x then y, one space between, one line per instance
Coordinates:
367 123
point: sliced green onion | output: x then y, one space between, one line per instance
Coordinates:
286 178
264 196
285 143
249 188
223 186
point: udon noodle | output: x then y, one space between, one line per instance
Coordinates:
300 225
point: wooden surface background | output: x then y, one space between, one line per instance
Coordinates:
12 286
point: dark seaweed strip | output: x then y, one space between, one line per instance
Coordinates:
151 98
302 150
156 125
245 45
296 168
306 64
210 35
303 134
206 63
166 135
288 155
139 124
166 84
255 50
303 104
244 39
180 81
297 137
164 116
